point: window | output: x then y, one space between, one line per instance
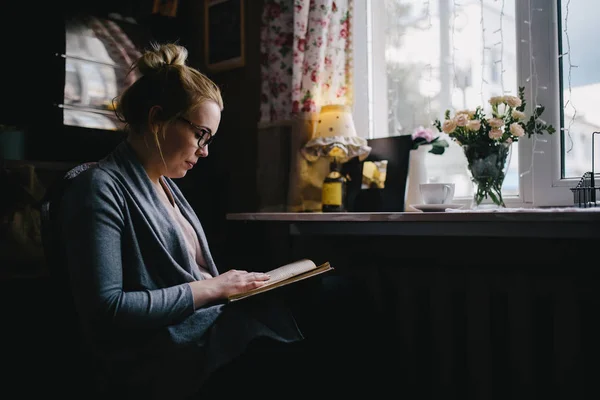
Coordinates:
580 83
97 58
414 59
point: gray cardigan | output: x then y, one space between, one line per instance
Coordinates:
130 269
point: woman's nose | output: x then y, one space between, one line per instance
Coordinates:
202 151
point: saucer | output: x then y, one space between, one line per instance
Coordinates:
435 207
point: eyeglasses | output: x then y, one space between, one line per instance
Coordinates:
205 137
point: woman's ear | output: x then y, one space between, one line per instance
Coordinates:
154 117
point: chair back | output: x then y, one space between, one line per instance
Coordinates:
51 237
69 346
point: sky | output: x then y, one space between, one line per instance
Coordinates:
583 32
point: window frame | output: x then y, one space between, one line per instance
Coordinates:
541 183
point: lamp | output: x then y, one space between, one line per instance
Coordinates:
335 139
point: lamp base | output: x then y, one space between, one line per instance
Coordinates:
334 189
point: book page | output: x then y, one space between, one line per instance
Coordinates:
284 275
289 270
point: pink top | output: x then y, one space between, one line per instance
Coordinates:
189 234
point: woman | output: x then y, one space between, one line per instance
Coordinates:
145 285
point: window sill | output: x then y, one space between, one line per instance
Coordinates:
551 223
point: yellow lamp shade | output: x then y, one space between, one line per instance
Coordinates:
335 136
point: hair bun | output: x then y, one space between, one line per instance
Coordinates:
160 56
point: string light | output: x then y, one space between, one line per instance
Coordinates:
571 66
455 6
531 76
483 50
502 49
427 7
502 70
535 86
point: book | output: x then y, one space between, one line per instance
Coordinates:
284 275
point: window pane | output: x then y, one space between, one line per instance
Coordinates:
580 85
444 55
98 54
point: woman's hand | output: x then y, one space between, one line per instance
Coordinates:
226 284
236 281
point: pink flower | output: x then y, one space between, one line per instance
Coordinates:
301 44
314 75
425 133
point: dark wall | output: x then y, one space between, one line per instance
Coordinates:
226 180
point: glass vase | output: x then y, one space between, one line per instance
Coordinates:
487 164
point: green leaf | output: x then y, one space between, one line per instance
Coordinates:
419 141
437 150
494 197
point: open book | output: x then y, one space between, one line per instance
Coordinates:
284 275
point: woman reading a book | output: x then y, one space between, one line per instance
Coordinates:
151 301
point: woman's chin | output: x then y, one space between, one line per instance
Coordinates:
177 174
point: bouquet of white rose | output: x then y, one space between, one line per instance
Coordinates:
506 124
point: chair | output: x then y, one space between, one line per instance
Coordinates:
83 379
51 238
68 346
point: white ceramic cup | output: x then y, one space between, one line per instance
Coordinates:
437 193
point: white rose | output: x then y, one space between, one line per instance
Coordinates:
512 101
496 122
473 125
516 129
495 134
495 100
461 119
448 126
469 113
518 114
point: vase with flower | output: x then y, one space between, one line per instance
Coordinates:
423 142
486 142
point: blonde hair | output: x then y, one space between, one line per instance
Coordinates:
166 81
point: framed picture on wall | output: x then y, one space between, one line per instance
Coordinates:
168 8
224 34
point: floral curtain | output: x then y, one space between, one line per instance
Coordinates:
306 56
306 63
